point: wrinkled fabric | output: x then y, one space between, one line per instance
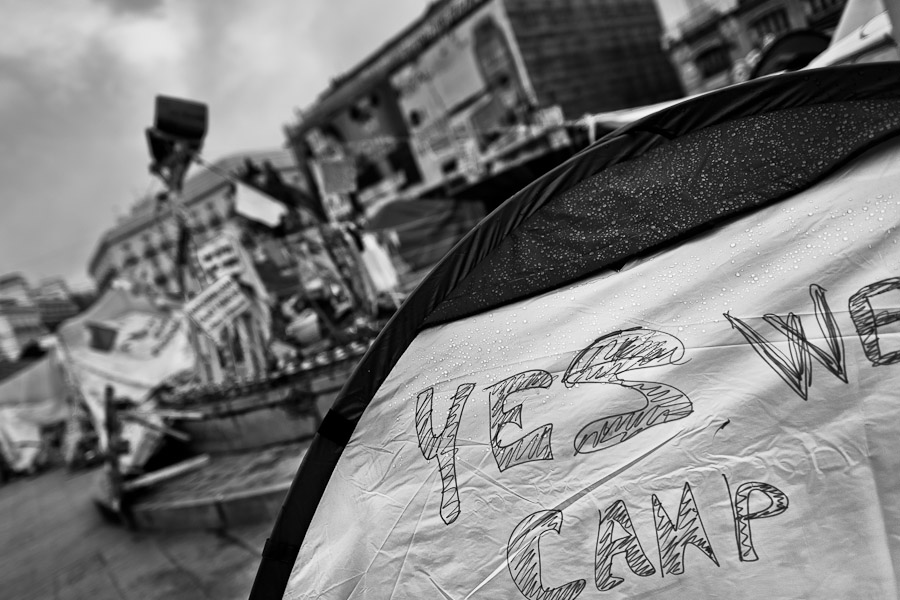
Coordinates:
718 419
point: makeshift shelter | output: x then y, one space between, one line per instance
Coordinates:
666 369
132 344
31 400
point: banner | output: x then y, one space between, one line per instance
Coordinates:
217 306
219 258
719 419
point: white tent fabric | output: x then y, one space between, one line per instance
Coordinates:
717 420
151 344
30 400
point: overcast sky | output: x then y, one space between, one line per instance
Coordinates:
77 82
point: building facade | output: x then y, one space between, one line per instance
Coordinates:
719 42
51 298
472 81
143 247
19 325
54 301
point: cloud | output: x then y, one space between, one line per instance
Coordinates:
77 81
134 7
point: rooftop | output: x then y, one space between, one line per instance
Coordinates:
200 184
13 278
440 16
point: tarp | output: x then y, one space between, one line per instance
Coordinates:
667 369
149 344
31 400
426 229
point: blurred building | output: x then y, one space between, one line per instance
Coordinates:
54 301
471 86
51 298
143 246
19 325
15 287
54 288
718 43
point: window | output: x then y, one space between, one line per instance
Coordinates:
713 61
773 23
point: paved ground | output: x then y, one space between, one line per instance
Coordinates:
54 545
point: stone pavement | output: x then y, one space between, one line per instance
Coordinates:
230 490
54 545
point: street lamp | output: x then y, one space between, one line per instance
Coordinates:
175 141
175 138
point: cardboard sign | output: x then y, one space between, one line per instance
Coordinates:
217 305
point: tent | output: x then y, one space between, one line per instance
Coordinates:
666 369
30 400
131 343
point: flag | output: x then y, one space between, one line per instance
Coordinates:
217 306
668 368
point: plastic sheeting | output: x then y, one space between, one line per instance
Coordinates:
31 400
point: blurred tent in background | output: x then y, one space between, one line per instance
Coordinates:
127 341
31 401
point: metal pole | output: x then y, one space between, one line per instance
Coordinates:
180 163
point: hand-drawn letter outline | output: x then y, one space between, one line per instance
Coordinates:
673 539
442 446
535 445
778 503
524 558
607 548
796 368
867 320
615 354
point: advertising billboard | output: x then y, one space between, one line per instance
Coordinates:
465 95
